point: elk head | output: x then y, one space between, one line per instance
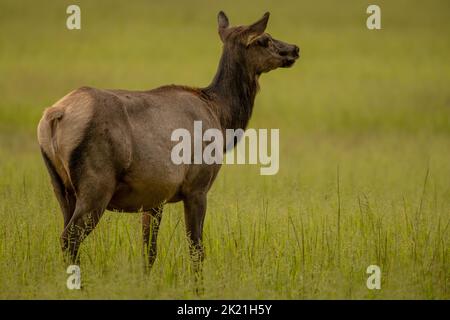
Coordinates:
255 48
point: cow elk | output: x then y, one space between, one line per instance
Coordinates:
111 149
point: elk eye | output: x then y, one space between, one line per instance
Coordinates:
263 41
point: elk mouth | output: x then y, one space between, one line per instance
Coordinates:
289 62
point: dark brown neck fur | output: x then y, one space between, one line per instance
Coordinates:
234 87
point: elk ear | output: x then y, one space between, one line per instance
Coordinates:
223 23
259 26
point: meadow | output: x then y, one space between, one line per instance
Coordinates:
364 179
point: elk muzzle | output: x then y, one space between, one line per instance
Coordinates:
289 53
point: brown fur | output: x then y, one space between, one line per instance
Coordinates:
110 149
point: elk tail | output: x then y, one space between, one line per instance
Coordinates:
52 116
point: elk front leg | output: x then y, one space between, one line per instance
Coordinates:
194 213
150 227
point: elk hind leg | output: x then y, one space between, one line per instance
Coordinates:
151 221
93 196
65 196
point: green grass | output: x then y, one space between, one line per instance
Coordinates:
366 110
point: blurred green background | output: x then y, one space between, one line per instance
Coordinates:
368 110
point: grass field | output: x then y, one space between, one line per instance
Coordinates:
364 119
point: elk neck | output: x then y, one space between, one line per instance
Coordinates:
233 90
